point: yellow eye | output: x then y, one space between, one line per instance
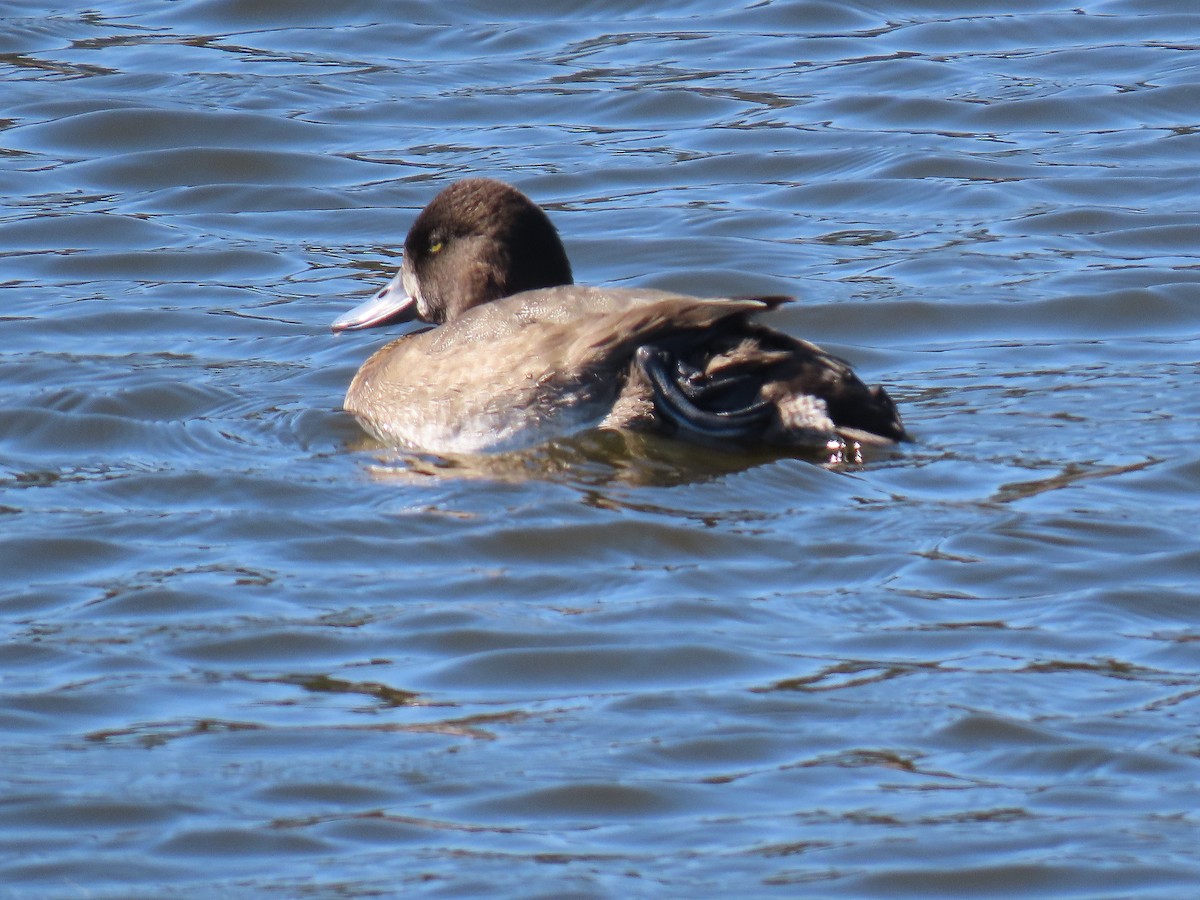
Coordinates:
436 247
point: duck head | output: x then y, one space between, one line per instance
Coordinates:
477 241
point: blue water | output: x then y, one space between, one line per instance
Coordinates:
249 652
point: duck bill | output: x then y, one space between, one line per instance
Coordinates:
389 305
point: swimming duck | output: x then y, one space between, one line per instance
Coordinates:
519 354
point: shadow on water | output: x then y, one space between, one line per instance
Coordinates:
604 457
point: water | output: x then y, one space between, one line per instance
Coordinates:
246 652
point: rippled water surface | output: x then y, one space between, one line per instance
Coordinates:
246 652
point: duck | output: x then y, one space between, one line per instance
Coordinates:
515 354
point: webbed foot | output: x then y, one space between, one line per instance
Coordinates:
679 388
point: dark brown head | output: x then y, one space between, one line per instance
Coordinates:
480 240
476 241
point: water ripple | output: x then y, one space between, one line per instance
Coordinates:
246 649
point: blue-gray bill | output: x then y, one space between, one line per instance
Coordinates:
387 306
